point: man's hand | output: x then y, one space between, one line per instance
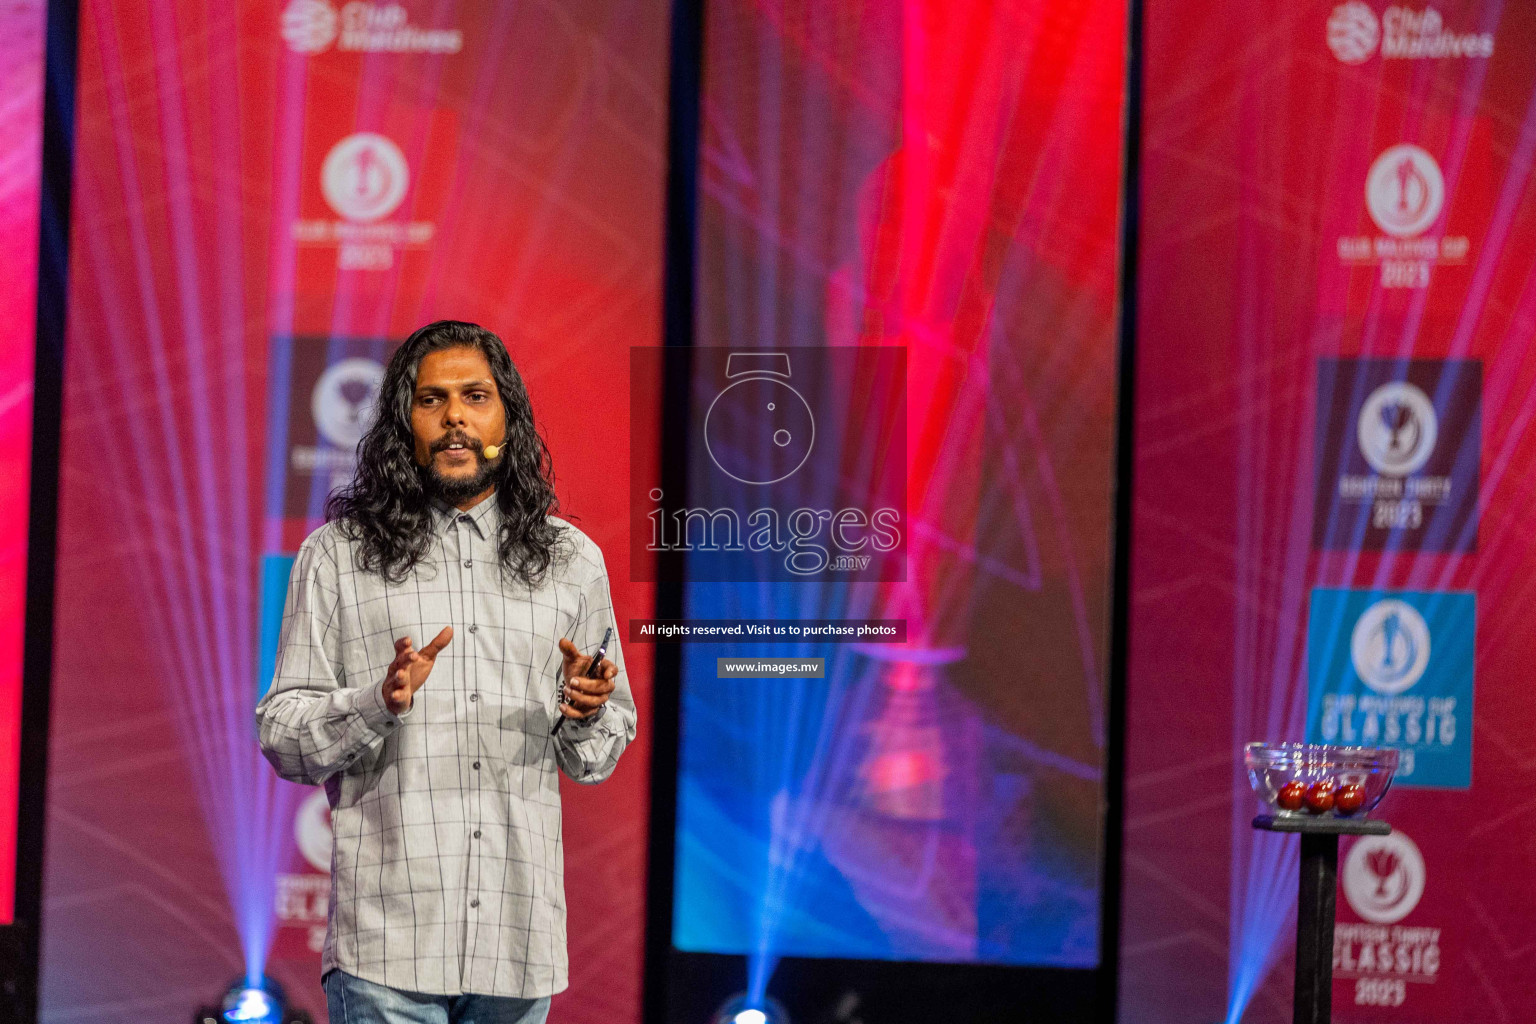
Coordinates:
584 694
410 669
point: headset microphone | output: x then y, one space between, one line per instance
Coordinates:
493 450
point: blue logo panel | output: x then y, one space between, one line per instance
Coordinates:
275 570
1394 669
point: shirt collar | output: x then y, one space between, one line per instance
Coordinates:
484 518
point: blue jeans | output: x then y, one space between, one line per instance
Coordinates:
351 1000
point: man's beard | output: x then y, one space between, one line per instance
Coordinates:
456 489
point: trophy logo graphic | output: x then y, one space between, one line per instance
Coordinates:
312 831
364 177
345 400
1397 429
1383 877
1404 191
759 430
1390 646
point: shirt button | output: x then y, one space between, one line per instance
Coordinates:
476 766
477 833
468 563
474 696
473 628
465 519
474 903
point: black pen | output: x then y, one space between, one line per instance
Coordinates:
592 671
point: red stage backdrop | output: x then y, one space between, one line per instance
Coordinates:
268 198
21 118
1334 473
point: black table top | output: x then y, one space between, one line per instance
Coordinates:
1322 825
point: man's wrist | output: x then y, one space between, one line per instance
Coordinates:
376 710
396 708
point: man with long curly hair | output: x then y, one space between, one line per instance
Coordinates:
441 762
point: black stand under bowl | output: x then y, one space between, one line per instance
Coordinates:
1317 896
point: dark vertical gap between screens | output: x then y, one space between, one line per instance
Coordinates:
21 951
1112 901
680 241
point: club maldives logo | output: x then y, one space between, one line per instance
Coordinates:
1404 191
1390 646
313 26
1384 877
1401 33
1404 196
1353 33
1397 429
309 26
364 177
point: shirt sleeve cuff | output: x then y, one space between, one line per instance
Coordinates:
587 723
375 710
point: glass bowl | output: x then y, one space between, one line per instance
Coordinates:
1293 779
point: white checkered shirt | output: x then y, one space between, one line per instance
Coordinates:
447 868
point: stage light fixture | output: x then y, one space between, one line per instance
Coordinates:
251 1006
245 1003
740 1010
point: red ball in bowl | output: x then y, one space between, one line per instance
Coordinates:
1320 796
1292 795
1350 798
